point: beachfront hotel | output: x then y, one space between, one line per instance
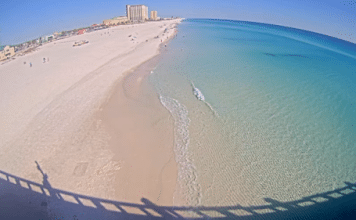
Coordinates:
7 52
153 15
137 13
116 20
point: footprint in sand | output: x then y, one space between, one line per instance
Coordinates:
80 169
109 168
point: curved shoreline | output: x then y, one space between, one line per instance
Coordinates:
141 131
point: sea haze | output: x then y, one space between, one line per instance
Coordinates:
278 118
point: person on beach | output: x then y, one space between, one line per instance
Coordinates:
30 64
44 60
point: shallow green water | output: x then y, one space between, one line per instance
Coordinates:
278 120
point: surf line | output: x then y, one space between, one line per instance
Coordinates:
199 95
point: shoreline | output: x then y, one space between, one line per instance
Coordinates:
142 139
150 162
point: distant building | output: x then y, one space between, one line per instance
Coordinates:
44 38
137 13
116 21
153 15
49 37
81 31
7 52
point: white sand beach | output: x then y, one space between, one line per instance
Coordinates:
73 115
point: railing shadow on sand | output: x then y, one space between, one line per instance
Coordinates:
24 199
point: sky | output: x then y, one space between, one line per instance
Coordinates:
23 20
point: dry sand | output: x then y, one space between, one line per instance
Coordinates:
93 124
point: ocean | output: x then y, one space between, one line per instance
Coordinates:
276 120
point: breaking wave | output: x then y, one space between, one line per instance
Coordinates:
187 174
200 96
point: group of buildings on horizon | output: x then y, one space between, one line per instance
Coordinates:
134 14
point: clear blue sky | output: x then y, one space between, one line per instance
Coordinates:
22 20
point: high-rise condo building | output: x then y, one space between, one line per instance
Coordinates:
154 15
137 13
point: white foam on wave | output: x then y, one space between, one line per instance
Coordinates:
198 94
201 97
187 174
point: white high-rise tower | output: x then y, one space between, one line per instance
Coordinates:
137 13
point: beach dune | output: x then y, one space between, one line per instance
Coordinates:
88 116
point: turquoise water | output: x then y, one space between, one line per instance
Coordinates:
278 120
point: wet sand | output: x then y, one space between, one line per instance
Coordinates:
142 140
